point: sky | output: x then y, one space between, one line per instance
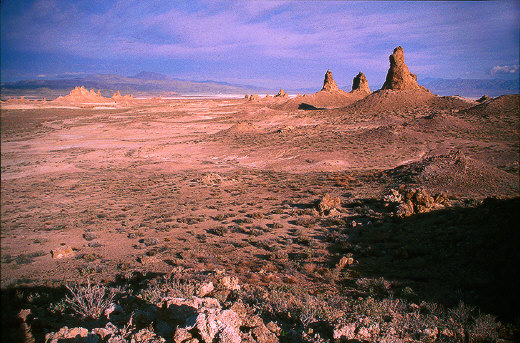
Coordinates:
263 43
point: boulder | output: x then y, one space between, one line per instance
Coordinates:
205 289
62 252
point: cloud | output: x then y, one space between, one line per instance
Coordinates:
505 69
257 37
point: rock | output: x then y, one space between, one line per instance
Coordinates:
281 94
483 98
76 334
229 335
82 95
274 328
345 261
103 333
229 318
329 84
414 200
253 97
360 84
405 209
115 313
327 204
393 196
204 318
399 77
206 325
182 335
263 335
146 336
347 331
205 289
62 252
246 96
230 283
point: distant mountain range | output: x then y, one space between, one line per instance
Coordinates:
154 84
142 84
471 87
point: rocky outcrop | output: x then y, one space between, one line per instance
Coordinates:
281 94
117 97
360 84
328 205
415 200
399 77
329 84
62 252
483 98
81 95
253 97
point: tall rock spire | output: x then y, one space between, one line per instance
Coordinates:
399 77
329 84
360 84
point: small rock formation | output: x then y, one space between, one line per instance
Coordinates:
246 96
345 261
61 252
17 101
399 77
117 97
253 97
415 200
360 84
483 98
281 94
329 84
328 205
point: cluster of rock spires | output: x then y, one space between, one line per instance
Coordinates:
398 78
83 95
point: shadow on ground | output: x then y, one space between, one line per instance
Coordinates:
469 254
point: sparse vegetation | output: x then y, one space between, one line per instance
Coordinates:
90 300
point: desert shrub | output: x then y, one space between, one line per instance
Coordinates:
306 222
218 230
378 286
484 329
89 300
255 215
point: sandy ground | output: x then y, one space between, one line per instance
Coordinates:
215 184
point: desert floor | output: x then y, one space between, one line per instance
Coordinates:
230 186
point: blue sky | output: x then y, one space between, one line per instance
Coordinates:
265 43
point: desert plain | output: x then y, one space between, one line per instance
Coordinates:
397 195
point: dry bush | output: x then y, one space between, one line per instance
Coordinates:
89 300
